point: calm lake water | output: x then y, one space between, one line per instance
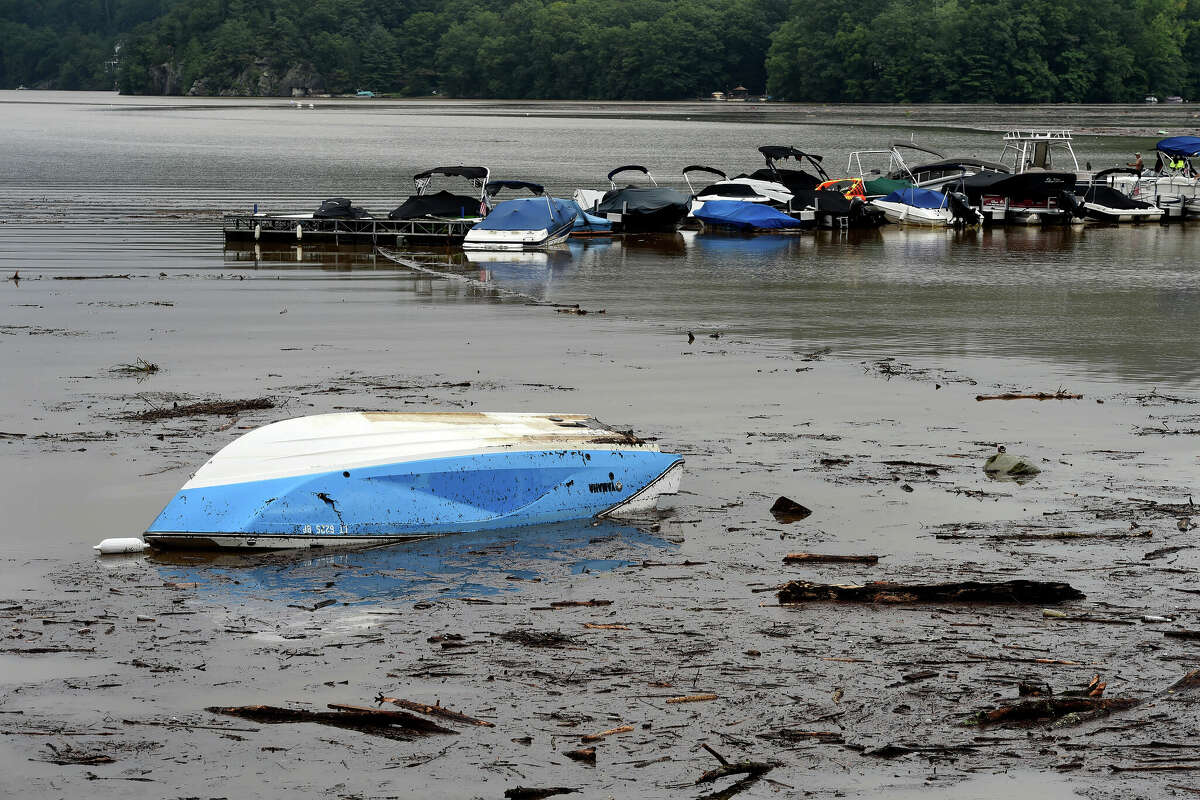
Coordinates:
97 181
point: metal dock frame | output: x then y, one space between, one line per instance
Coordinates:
257 227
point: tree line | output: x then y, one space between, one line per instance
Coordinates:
888 51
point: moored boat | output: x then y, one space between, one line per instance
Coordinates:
522 223
377 477
443 204
743 216
721 189
1172 185
915 206
642 209
1102 201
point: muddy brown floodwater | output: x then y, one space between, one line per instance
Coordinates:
661 642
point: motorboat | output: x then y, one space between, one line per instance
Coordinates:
793 179
642 209
362 478
443 204
1028 198
900 174
916 206
743 216
1172 185
721 189
589 224
1033 192
1103 201
524 223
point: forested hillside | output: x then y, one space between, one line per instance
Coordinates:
804 50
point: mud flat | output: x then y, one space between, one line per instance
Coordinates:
660 645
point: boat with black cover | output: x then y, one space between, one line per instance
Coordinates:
443 204
340 208
1101 200
642 209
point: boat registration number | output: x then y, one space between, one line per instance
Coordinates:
324 530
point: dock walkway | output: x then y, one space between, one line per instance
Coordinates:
260 227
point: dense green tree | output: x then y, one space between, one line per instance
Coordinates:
908 51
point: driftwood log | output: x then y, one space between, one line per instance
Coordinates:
1015 591
826 558
389 724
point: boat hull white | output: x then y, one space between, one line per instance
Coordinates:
376 478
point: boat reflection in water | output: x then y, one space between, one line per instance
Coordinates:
529 272
462 565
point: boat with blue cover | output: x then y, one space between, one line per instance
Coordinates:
523 223
1174 182
916 206
360 478
744 216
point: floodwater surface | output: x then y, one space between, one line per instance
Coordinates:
839 370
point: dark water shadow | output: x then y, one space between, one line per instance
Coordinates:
461 565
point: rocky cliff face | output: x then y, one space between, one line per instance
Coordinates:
259 79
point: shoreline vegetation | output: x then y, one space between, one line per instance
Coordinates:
880 51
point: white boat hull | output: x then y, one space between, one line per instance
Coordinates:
903 214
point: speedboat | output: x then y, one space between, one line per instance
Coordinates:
721 189
1172 185
362 478
1035 192
443 204
522 223
1028 198
642 209
1103 201
743 216
915 206
899 174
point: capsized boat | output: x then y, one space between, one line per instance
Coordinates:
443 204
376 477
525 223
642 209
743 216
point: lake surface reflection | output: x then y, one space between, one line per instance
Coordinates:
101 182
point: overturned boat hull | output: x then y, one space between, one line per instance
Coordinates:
371 478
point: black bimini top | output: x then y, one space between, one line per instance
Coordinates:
628 168
794 180
493 187
470 173
711 170
777 153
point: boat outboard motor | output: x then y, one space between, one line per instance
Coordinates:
960 207
1068 201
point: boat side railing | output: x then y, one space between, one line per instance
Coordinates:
256 225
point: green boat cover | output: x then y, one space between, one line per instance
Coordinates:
883 186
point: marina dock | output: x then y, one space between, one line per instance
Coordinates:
259 227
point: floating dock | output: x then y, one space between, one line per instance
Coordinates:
260 227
